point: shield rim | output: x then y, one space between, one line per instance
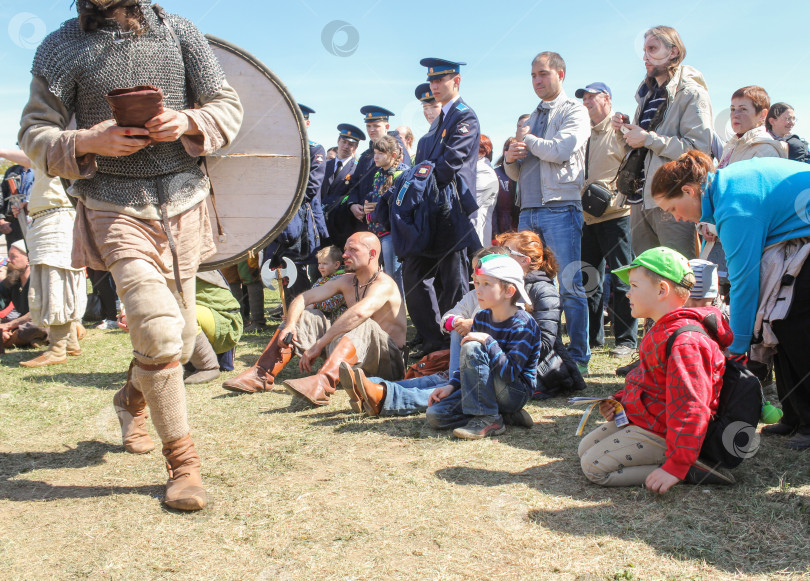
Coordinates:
303 176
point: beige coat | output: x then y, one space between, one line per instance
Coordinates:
754 143
687 124
605 153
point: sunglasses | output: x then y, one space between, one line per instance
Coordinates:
515 252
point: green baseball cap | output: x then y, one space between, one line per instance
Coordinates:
663 261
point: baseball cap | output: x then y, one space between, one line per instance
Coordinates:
594 88
707 282
663 261
504 268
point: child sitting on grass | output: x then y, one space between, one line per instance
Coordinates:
330 266
499 357
668 400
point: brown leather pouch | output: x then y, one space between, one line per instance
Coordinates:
134 106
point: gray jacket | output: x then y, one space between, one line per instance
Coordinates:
554 170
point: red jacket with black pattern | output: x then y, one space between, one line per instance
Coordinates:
676 397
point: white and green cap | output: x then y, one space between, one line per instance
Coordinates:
504 268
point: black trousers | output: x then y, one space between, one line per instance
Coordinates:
792 363
608 243
427 301
104 287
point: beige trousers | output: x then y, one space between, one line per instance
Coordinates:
613 456
377 354
161 328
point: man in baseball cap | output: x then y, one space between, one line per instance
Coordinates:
594 88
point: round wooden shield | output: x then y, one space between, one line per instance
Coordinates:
260 179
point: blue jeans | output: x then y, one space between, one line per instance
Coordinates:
391 265
409 396
482 392
455 352
561 229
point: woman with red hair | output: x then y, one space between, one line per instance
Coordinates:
486 191
557 372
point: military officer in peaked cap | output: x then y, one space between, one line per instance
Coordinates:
340 175
452 145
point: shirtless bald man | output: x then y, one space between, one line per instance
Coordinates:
370 334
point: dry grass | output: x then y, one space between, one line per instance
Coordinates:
326 494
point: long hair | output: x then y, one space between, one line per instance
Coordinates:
670 38
93 17
506 145
529 243
389 145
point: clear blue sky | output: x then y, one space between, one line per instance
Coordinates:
733 43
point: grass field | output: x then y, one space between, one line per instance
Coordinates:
328 494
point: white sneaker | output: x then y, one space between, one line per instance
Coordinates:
107 325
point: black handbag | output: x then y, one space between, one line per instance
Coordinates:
596 200
629 178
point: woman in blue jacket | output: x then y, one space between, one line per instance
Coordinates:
754 204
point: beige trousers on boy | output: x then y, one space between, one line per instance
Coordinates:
613 456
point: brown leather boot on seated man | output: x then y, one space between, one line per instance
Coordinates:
261 377
318 388
372 394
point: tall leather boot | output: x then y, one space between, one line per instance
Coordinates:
261 376
318 388
184 489
130 407
204 360
255 292
56 353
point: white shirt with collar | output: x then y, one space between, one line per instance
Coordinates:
446 108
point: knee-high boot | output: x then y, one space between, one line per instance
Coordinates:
318 388
261 376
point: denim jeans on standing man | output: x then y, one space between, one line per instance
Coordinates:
391 265
560 227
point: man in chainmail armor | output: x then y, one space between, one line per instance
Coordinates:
141 212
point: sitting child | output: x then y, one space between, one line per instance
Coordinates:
458 320
329 265
410 396
499 357
668 401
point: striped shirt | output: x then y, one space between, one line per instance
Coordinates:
657 97
513 347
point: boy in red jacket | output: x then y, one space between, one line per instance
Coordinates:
668 400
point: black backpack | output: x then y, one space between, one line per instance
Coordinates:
731 435
428 220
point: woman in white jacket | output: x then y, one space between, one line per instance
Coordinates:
486 192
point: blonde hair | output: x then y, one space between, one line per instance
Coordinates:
331 253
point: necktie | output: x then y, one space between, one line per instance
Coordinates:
338 167
441 118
